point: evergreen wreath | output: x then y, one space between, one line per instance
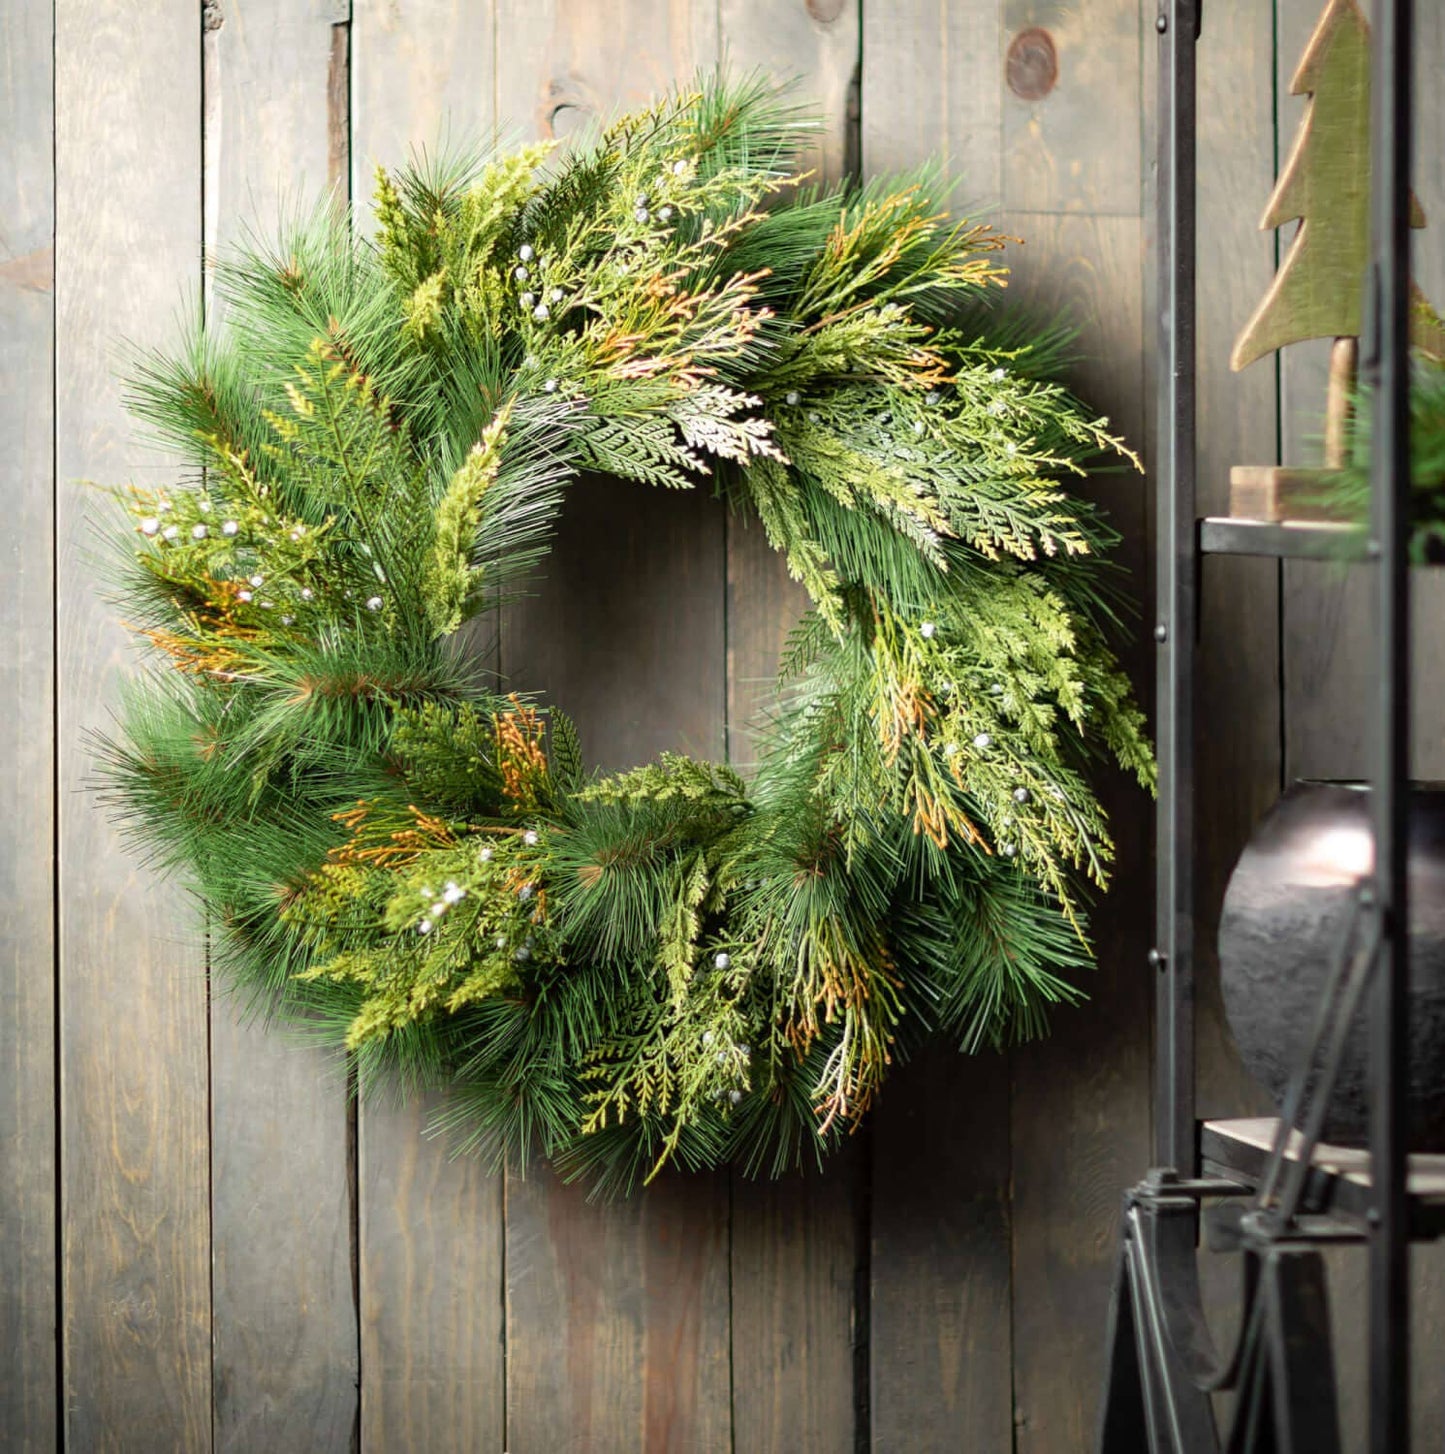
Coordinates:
670 964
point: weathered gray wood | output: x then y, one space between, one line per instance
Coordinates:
1080 1105
623 628
431 1247
816 43
1071 104
422 71
135 1202
431 1290
617 1316
617 1331
1238 661
27 782
284 1317
941 1344
797 1244
563 63
930 88
938 1342
1238 748
1080 1122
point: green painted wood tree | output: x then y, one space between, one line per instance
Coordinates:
1325 183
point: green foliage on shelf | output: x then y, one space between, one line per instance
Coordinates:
1347 492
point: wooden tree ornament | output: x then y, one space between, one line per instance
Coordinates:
1317 292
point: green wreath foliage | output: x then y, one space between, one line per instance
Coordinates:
670 964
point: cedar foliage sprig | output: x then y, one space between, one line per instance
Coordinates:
670 964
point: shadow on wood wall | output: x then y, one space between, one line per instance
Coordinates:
205 1245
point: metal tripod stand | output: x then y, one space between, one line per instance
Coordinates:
1163 1363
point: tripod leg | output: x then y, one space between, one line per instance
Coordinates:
1124 1419
1297 1330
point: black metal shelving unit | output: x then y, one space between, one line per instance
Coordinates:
1276 1196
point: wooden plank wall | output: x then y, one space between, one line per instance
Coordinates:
28 1274
205 1241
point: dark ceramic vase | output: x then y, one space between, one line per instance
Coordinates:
1285 912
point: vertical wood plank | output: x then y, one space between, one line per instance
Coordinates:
28 1400
1238 750
1071 139
431 1240
562 64
799 1244
1237 756
1080 1119
422 72
940 1343
817 43
617 1316
929 88
617 1334
431 1290
133 1070
1080 1102
284 1318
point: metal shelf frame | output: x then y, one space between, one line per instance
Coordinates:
1163 1364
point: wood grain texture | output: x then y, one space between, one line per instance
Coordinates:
796 1328
617 1317
1080 1102
814 44
431 1240
930 87
1077 147
284 1319
28 1401
136 1234
431 1290
941 1343
422 74
564 64
623 626
1237 755
939 1285
1238 702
